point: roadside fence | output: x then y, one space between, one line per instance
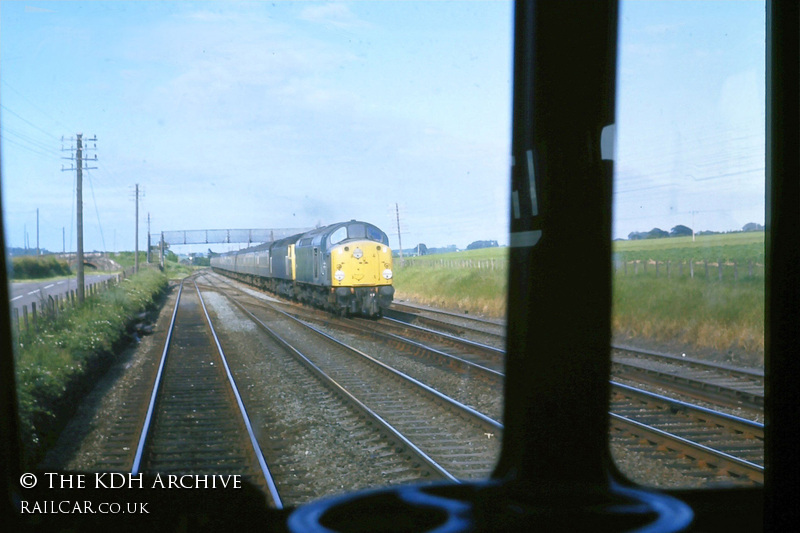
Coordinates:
51 306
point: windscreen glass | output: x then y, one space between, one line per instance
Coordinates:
688 241
146 145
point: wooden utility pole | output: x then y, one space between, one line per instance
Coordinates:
79 189
399 239
136 253
79 168
37 233
148 238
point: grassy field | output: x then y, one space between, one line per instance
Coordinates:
725 318
729 247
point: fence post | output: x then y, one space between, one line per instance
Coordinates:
735 272
15 324
705 262
719 262
691 268
34 317
656 267
25 317
636 267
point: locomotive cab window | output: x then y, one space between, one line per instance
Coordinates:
339 235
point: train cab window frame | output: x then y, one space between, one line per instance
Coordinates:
536 481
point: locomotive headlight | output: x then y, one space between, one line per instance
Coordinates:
357 253
339 275
387 273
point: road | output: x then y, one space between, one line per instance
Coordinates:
25 293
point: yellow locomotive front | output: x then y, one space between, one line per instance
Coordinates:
361 269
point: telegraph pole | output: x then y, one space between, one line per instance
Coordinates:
136 252
37 232
399 239
148 238
79 168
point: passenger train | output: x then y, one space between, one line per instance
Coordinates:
345 268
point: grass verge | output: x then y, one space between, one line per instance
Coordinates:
57 365
723 320
455 281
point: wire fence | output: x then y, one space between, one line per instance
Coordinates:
701 269
692 269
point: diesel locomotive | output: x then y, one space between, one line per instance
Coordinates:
345 268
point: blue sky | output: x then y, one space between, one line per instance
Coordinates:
290 114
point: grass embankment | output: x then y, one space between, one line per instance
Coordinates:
473 281
57 365
725 316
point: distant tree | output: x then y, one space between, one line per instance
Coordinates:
422 249
680 231
482 244
636 235
752 226
656 233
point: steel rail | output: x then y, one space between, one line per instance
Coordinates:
363 407
703 390
742 425
358 327
709 455
451 338
273 489
482 418
137 460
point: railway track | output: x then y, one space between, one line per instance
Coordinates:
728 387
196 422
728 451
461 440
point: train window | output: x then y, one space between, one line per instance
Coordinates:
688 248
356 231
339 235
273 118
374 234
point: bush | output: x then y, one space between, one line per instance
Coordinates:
38 267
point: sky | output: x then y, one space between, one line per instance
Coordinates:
293 114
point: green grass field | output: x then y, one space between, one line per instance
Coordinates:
724 317
729 247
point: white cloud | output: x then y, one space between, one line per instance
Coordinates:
332 14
